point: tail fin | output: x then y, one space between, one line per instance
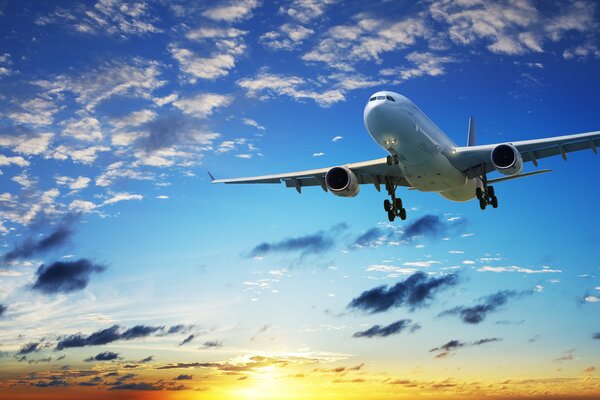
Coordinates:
472 137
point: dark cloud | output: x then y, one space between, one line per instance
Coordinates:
139 331
187 339
391 329
477 313
447 348
31 347
178 328
163 132
65 276
183 377
596 336
106 336
212 344
429 226
33 247
309 244
146 360
3 309
413 292
316 243
104 356
137 386
370 237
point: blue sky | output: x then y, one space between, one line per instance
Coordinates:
111 114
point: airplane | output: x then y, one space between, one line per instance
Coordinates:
421 157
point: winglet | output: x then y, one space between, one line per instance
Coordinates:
472 137
212 178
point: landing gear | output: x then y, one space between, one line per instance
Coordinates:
394 207
393 160
486 195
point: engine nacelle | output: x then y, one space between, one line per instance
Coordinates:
341 181
507 159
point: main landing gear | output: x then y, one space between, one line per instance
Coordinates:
486 195
394 207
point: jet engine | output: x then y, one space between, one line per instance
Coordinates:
341 181
507 159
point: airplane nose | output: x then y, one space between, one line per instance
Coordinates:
377 117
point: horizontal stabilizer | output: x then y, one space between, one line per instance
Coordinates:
508 178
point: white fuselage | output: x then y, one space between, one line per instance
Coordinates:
404 130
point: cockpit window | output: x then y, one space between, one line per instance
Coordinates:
390 98
373 98
380 97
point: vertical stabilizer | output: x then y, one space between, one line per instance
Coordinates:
471 138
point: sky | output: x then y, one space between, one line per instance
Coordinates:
124 273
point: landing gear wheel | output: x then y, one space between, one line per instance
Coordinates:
479 193
402 214
387 205
482 204
396 159
494 202
389 160
391 216
398 204
491 192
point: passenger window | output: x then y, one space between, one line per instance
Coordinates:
373 99
390 98
380 97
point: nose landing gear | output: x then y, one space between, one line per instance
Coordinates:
393 160
394 207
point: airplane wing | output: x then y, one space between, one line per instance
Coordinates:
470 158
374 172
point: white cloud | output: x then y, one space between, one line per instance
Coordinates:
212 67
161 101
511 27
26 143
120 170
425 264
425 64
390 269
306 10
514 268
287 37
206 32
582 52
118 197
251 122
203 104
591 299
337 138
86 129
162 197
232 11
75 184
105 17
266 85
18 160
135 118
345 45
81 206
86 155
136 78
37 111
320 154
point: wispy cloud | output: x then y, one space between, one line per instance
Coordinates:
488 304
391 329
448 348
